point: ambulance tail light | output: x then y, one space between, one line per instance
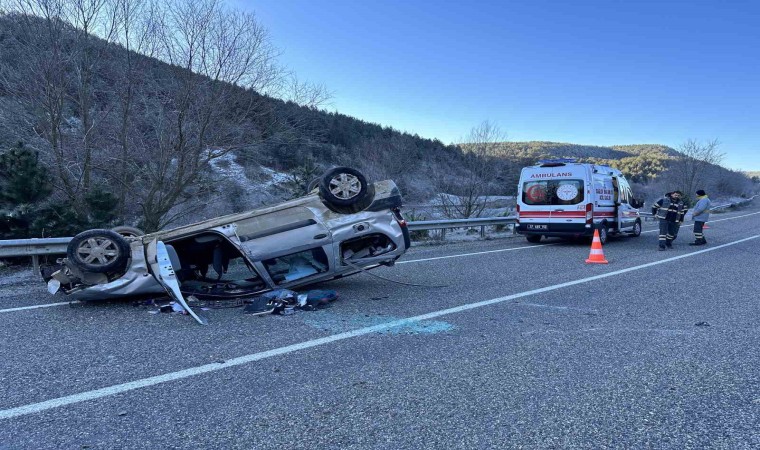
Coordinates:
517 213
589 214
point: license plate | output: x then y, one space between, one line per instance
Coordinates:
538 227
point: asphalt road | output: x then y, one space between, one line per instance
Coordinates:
523 346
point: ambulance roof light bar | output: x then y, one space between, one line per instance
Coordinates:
555 162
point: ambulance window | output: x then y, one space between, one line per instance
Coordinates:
535 192
625 190
552 192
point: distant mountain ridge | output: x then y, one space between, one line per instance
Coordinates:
639 162
543 149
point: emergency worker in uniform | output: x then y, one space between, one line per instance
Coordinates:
700 214
670 211
681 219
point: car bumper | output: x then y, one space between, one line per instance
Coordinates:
555 230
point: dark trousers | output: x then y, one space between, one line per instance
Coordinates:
699 235
668 232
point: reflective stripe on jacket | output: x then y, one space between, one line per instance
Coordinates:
667 209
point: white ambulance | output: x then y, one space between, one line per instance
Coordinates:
564 198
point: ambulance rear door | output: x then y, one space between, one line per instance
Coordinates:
552 199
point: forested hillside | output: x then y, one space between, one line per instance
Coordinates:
158 113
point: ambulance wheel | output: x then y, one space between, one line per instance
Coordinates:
533 238
636 229
603 233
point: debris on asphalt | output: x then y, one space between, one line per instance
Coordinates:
171 307
194 302
702 324
259 306
285 302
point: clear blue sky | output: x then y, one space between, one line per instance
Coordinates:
585 72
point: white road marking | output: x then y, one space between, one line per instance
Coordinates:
207 368
45 305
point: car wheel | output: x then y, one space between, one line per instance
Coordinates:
603 233
533 238
313 184
344 186
98 251
128 231
636 229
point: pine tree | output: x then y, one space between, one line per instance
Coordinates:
24 185
23 180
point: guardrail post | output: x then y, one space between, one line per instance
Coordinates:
483 232
36 264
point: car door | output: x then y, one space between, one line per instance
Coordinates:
289 247
627 213
164 272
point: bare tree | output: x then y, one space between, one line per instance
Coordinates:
690 169
214 53
384 158
88 17
37 73
58 59
466 195
136 33
304 93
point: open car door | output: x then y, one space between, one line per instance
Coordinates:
161 265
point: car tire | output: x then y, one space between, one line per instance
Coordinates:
344 189
98 251
636 229
533 238
128 231
604 234
313 184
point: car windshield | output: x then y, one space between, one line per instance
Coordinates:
552 192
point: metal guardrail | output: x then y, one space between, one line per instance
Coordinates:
34 248
57 246
444 224
457 223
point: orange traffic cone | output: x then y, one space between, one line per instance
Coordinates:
597 255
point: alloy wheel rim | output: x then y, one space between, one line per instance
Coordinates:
345 186
98 251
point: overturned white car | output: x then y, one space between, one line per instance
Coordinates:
344 225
